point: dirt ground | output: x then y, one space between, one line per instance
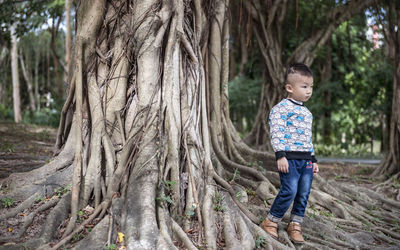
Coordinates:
25 147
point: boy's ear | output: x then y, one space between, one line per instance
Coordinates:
288 88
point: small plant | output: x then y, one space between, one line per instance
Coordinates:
238 195
7 147
80 216
260 241
77 237
326 213
235 175
250 192
39 199
7 202
169 184
190 212
60 191
218 202
164 198
111 247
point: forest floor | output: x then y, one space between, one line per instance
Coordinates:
25 147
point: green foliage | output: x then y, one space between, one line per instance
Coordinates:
6 113
236 174
7 202
260 241
45 116
39 199
191 212
60 191
6 147
165 198
218 202
244 99
111 247
77 237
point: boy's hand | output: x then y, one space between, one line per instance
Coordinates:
315 168
283 165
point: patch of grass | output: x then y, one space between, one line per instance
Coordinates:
218 202
260 241
236 174
7 202
364 171
165 198
238 195
111 247
77 237
190 212
39 199
326 213
250 192
60 191
7 147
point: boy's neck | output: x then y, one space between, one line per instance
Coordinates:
295 101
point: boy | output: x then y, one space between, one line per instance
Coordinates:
290 129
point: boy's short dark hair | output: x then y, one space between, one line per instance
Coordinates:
298 68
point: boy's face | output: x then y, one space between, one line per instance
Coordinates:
299 87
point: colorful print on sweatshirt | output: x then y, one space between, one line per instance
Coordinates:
291 127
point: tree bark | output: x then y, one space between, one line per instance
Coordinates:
15 75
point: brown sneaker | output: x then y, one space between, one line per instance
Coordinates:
270 227
294 232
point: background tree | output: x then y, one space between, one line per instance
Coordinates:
269 19
388 16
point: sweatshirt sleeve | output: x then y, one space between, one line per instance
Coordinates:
313 159
277 124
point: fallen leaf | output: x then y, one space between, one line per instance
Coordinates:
122 248
121 237
10 229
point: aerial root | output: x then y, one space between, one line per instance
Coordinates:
329 202
231 241
182 236
28 220
245 236
392 234
230 190
231 164
104 205
21 207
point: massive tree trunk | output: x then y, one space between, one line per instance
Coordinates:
268 31
146 141
390 166
15 74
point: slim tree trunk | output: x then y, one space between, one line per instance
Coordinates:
68 38
36 77
28 79
15 74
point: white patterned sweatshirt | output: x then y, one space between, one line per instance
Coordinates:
290 125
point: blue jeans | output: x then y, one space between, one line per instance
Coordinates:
295 185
